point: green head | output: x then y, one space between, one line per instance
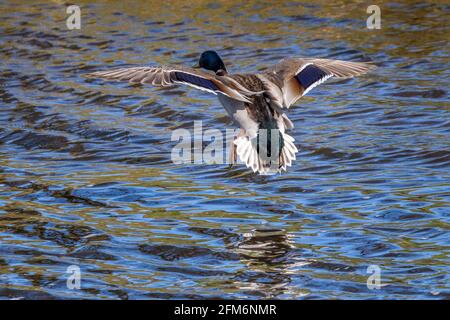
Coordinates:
210 60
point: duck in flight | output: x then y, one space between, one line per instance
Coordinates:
256 102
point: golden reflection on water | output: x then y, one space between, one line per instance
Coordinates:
86 177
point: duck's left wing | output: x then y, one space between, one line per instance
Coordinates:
292 78
171 75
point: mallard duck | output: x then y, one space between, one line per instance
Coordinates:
256 102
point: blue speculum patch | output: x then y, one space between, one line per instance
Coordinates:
309 75
198 81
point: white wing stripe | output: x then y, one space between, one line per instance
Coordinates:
315 84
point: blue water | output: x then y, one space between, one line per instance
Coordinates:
86 176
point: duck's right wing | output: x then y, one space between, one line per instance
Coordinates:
171 75
292 78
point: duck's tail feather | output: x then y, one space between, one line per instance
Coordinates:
254 158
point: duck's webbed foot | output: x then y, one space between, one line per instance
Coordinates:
233 156
233 151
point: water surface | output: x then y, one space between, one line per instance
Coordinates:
86 177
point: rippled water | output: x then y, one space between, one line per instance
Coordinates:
86 177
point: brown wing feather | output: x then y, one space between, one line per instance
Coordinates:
343 69
292 90
169 75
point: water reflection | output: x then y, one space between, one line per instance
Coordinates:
271 258
86 177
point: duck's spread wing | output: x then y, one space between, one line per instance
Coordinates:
171 75
292 78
